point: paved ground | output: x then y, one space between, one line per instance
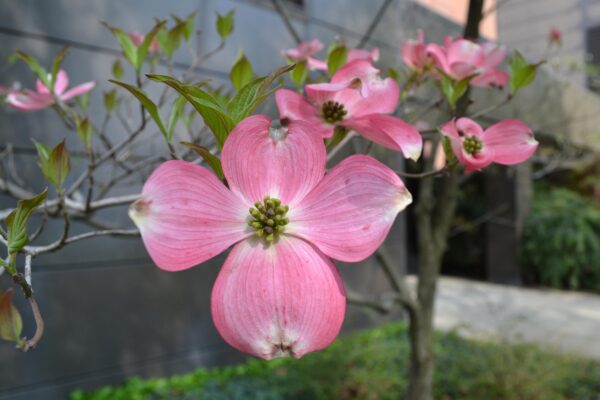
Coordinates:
564 321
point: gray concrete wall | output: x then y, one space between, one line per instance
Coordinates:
109 312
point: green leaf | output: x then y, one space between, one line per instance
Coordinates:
188 25
59 165
225 24
253 94
84 130
454 90
176 112
83 100
336 57
212 160
217 119
11 323
147 103
117 69
142 50
127 45
299 74
56 66
241 73
35 66
170 40
16 222
522 74
110 100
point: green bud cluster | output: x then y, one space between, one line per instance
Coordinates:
472 145
333 111
268 218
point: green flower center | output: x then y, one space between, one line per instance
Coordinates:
268 218
472 145
333 111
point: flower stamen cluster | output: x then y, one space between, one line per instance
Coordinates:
472 145
268 218
333 111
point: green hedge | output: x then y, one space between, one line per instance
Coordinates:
561 241
373 365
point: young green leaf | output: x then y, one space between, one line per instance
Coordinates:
11 323
142 49
84 130
83 101
241 72
521 73
212 160
54 164
35 66
16 222
453 90
127 45
176 112
110 100
299 74
336 57
217 119
117 69
147 103
225 24
253 94
56 66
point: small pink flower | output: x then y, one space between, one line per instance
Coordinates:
461 58
414 54
29 100
304 52
138 39
357 99
278 292
555 36
361 54
508 142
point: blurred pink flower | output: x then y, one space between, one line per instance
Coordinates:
361 54
508 142
414 54
460 58
555 36
278 292
304 52
138 39
357 99
29 100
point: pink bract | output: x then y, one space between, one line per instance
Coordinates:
138 39
29 100
414 54
357 99
283 297
508 142
460 58
361 54
304 52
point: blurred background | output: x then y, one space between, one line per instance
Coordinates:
111 314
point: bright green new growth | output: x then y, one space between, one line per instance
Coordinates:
268 218
472 145
333 111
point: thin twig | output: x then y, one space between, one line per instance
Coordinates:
359 300
37 250
374 23
286 20
405 296
340 145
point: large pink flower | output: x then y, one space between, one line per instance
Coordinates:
358 99
414 54
278 293
305 51
461 58
508 142
362 54
29 100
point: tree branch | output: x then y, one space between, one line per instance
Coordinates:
286 20
374 23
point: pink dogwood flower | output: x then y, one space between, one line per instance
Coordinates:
361 54
461 58
555 36
29 100
305 51
138 39
356 99
278 292
413 53
507 142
